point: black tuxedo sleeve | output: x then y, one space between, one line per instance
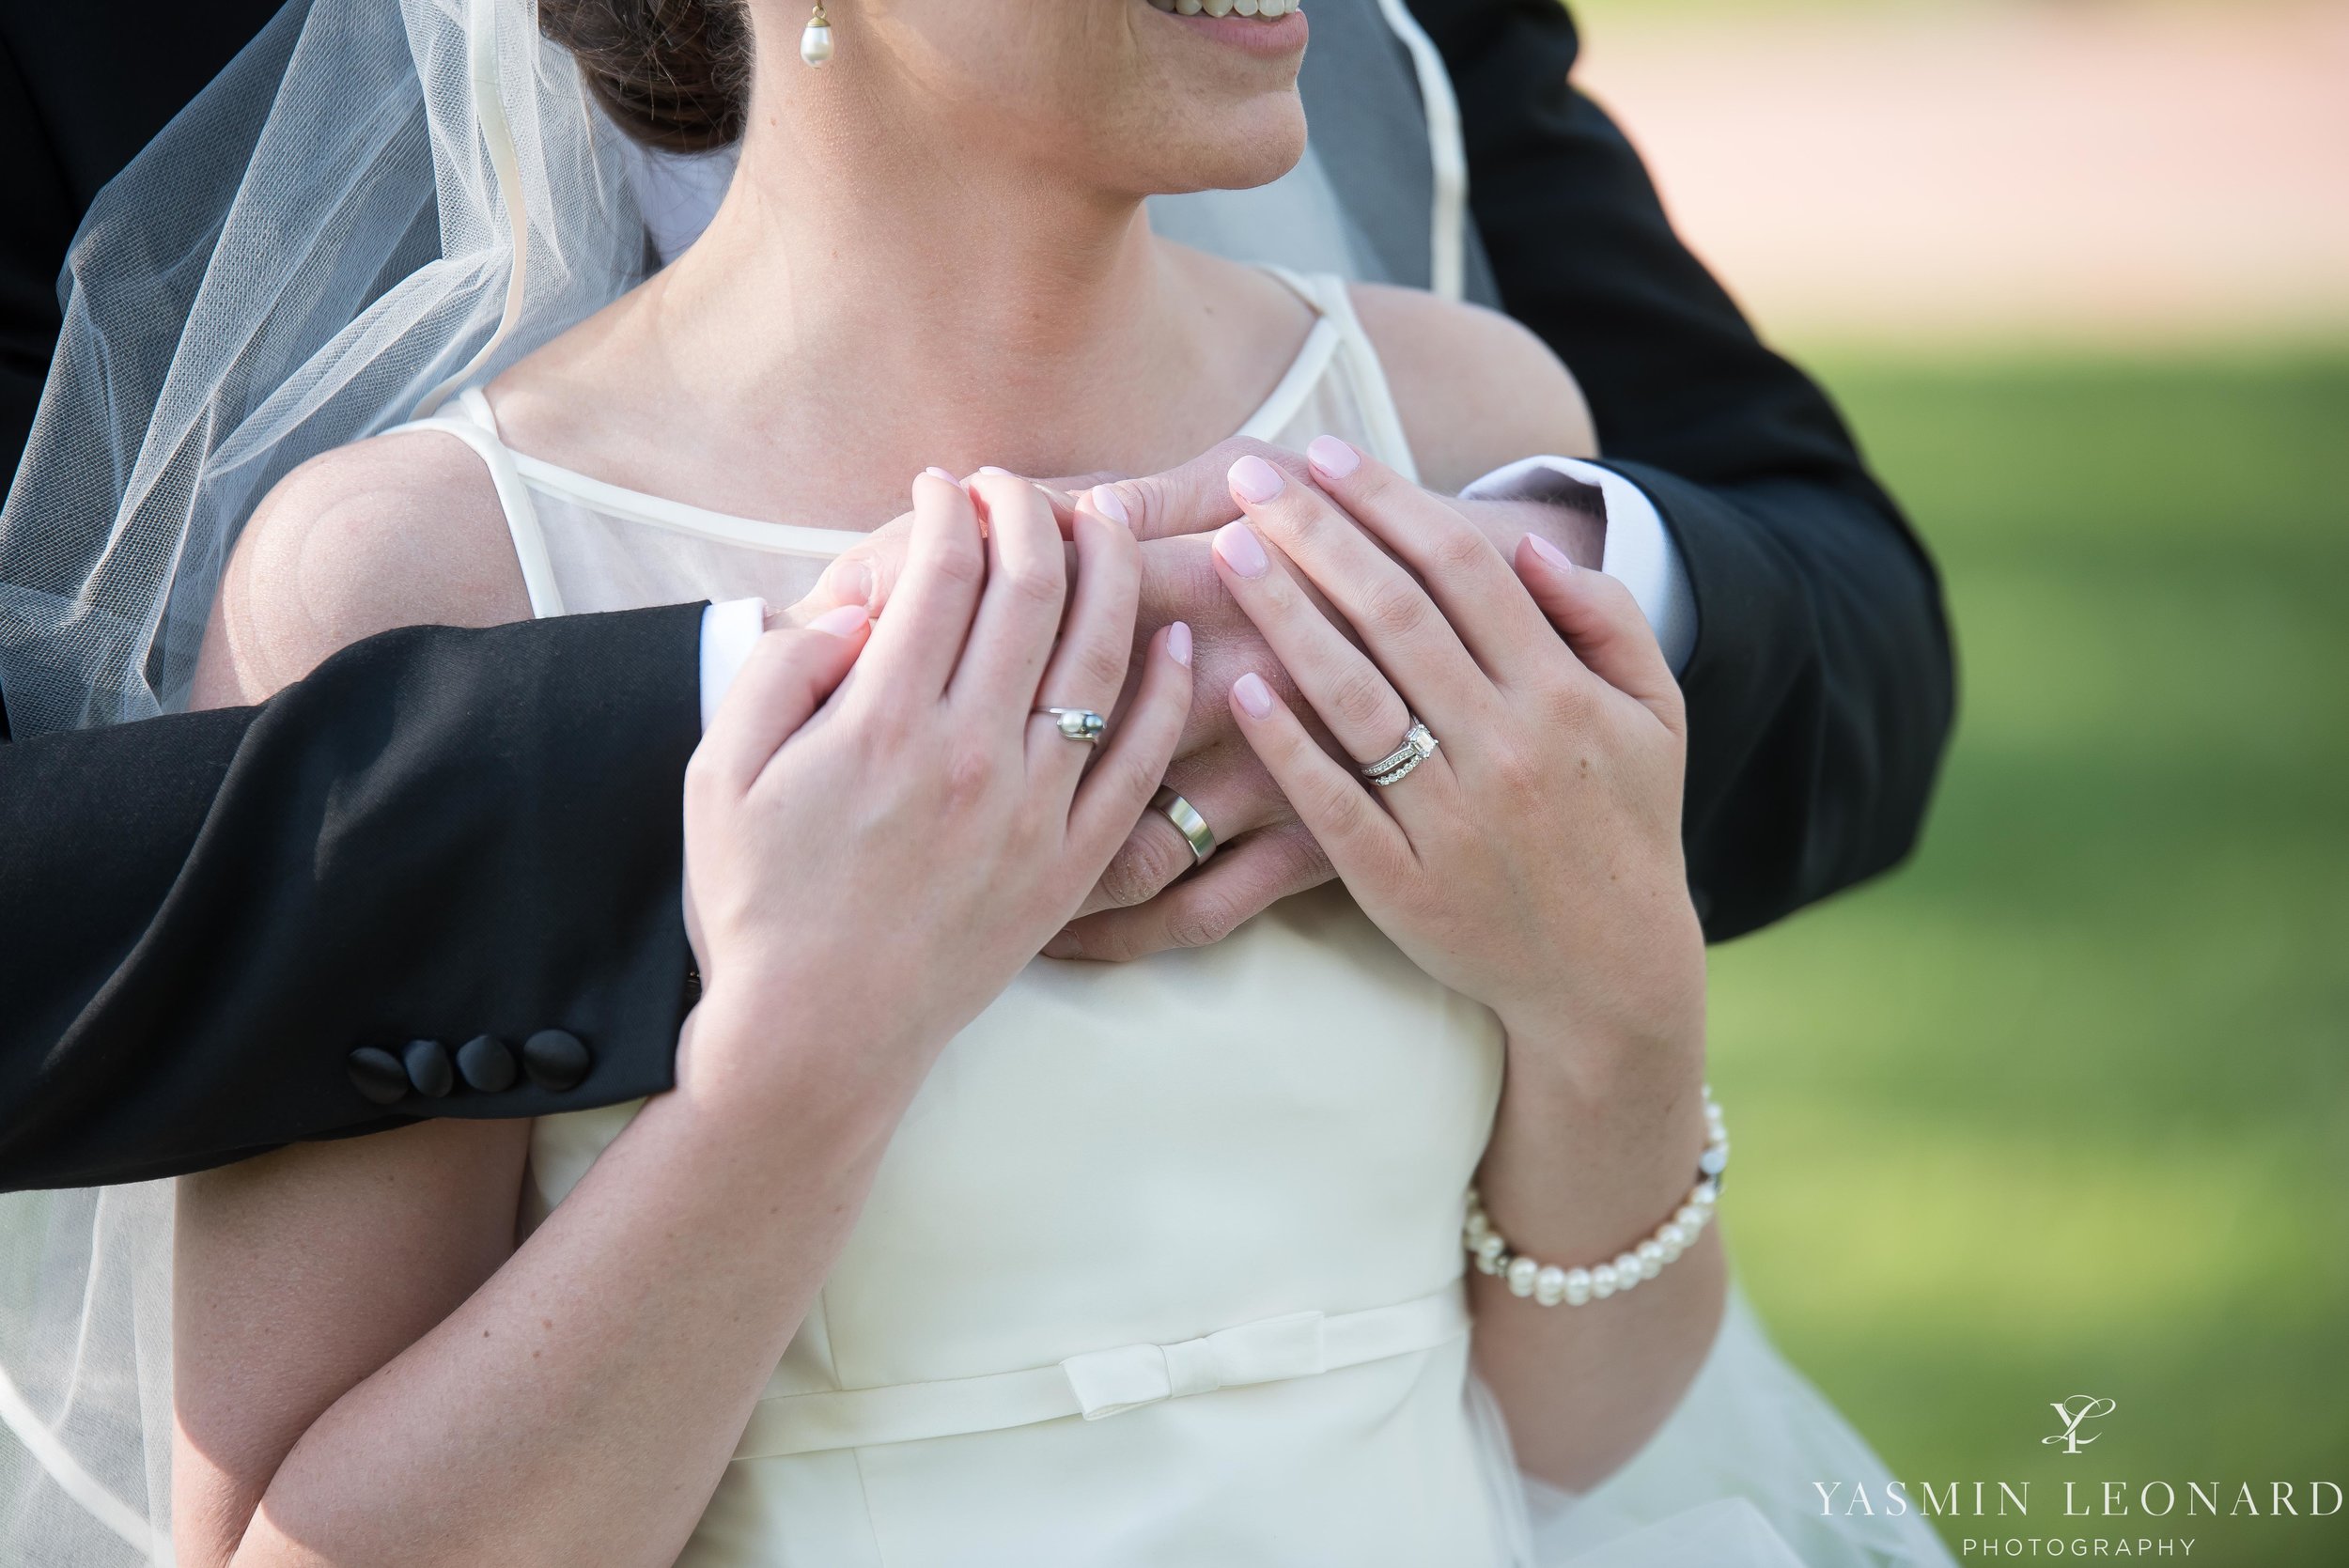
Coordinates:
1820 689
440 835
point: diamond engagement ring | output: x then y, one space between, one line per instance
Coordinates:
1078 724
1187 821
1419 744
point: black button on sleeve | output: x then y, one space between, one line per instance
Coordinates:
429 1069
556 1060
378 1075
486 1064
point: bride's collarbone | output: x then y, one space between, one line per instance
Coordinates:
612 402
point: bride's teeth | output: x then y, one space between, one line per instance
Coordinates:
1267 9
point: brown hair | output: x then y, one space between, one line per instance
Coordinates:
672 73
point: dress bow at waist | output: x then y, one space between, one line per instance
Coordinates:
1095 1384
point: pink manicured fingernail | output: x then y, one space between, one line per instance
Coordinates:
940 473
1255 480
1237 544
1551 554
992 469
843 622
1178 644
1332 456
1111 504
1254 694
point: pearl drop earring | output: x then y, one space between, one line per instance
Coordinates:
816 40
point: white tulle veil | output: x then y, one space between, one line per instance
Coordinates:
374 200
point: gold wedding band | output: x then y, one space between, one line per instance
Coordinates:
1187 821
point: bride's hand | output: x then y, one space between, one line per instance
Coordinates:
1534 862
865 572
877 864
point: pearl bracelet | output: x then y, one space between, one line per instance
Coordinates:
1548 1284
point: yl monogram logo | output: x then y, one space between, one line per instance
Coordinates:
2072 1411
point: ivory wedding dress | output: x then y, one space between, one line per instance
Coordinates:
1163 1265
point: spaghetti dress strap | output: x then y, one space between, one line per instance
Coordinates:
476 425
1305 372
1348 350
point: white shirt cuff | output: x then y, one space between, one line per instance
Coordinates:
1638 553
730 632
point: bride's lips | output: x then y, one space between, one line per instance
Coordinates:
1257 35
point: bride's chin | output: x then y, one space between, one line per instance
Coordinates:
1247 176
1221 161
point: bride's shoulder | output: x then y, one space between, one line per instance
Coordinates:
402 529
1474 388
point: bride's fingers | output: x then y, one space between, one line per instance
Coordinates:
917 644
787 677
1364 843
1088 667
866 572
1059 494
1604 626
1027 583
1401 626
1463 572
1359 705
1120 784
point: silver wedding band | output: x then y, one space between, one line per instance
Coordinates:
1187 821
1078 724
1419 744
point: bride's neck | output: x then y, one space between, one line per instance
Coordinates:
944 310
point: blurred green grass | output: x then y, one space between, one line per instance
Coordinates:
2059 1106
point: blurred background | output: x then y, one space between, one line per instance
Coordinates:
2061 1107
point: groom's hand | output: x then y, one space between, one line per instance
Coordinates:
1145 902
